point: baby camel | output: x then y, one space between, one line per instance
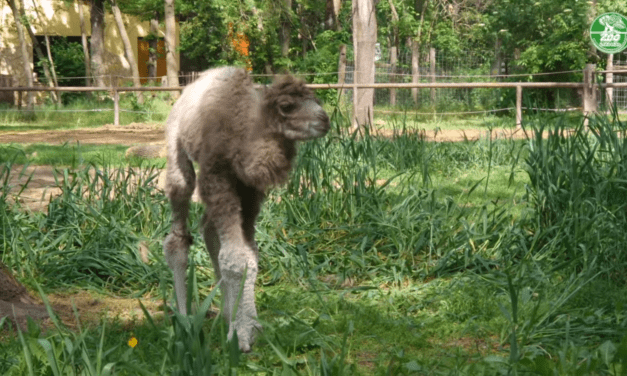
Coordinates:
244 141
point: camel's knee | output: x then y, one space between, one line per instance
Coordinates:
179 188
180 176
235 263
175 248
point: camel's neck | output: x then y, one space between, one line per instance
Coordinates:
289 149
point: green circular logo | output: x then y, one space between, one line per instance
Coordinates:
609 33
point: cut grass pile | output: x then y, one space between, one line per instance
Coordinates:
381 256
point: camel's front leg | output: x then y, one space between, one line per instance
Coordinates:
237 260
180 182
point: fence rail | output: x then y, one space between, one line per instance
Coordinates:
408 85
589 88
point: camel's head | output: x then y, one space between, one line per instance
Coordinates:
294 110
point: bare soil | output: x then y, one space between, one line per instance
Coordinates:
142 133
134 133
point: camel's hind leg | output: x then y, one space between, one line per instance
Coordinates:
236 258
180 182
251 200
213 244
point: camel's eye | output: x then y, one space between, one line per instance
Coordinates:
287 108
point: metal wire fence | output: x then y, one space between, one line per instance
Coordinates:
620 95
434 67
468 66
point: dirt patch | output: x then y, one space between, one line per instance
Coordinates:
40 186
135 133
16 302
458 135
32 187
142 133
90 307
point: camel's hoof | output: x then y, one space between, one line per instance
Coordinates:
246 334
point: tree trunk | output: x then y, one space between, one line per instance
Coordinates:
286 27
128 49
341 69
591 15
393 62
303 31
28 72
332 12
97 41
364 40
46 61
415 69
420 6
432 71
170 47
393 51
52 68
153 46
609 78
498 62
88 72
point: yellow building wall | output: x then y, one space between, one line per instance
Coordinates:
56 18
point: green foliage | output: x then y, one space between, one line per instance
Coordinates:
209 47
577 186
89 238
69 65
549 34
372 262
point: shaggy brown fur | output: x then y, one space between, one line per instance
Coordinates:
244 141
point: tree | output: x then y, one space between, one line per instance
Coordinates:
332 12
128 49
153 47
548 33
286 27
394 46
421 7
364 40
86 59
28 72
46 61
97 41
170 46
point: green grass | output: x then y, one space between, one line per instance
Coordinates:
85 112
383 256
72 155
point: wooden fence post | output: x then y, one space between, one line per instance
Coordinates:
116 107
518 107
609 78
589 92
415 69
